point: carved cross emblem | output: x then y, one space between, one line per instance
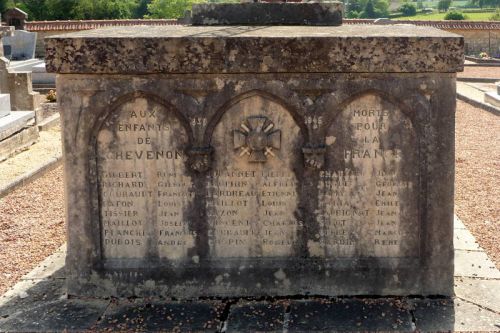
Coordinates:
257 138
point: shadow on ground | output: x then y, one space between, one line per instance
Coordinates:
43 305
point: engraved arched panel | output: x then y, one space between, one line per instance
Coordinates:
252 194
369 188
144 188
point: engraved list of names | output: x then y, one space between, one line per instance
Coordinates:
144 191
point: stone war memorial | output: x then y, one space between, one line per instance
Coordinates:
234 158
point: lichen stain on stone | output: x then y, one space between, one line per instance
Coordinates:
280 274
315 249
232 55
150 284
219 83
330 140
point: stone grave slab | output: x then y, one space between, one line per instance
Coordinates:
361 315
141 315
475 264
250 161
484 292
58 315
254 316
17 132
453 315
464 240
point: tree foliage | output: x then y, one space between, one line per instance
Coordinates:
454 15
486 3
170 8
40 10
495 16
443 5
104 9
408 9
5 4
368 9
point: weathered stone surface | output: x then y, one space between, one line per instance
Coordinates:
15 122
229 185
58 315
240 49
362 315
326 13
256 317
475 264
483 292
368 185
235 167
17 132
453 315
161 316
140 150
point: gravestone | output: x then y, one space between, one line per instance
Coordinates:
21 45
17 129
251 160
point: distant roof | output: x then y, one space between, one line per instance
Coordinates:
16 10
94 24
465 25
90 24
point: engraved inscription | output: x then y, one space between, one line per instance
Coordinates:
369 189
144 191
251 206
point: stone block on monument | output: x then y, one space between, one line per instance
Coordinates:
268 13
254 161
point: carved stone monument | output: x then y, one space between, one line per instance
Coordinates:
247 161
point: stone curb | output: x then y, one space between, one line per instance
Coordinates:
49 122
484 106
482 65
30 176
477 79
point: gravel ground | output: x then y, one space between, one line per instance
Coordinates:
480 72
32 217
31 226
477 184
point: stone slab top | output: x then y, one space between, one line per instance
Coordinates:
255 49
261 13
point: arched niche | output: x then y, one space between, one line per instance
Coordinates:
369 188
252 189
143 185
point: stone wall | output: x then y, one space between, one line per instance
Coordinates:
477 41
